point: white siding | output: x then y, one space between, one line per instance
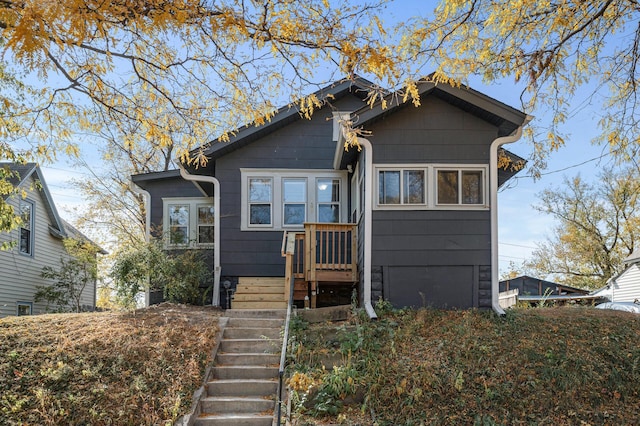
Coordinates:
20 274
626 288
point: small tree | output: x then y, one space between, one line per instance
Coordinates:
148 267
76 272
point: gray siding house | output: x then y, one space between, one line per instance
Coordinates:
408 215
35 244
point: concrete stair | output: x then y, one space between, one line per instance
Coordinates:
259 293
244 380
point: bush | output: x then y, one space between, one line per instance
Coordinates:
180 276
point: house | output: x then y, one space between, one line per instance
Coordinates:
408 215
530 286
536 291
37 243
625 286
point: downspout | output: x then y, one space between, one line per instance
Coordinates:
215 300
147 223
368 203
493 185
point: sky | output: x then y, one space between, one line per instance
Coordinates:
520 226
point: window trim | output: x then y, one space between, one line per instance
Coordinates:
430 185
32 226
462 168
270 203
193 226
278 176
22 303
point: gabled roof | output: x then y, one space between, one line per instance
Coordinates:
21 173
503 116
286 115
507 119
58 227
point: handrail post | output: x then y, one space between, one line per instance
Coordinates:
289 252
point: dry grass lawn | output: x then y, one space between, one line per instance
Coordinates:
137 368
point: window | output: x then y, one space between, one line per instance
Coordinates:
206 218
286 199
460 187
431 186
24 308
26 227
294 196
328 198
260 196
178 223
189 222
399 186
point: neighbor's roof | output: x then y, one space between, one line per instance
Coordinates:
547 283
21 173
58 227
633 257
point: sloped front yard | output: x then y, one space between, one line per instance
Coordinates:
555 366
104 368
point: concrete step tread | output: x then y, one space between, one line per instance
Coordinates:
228 398
205 416
248 381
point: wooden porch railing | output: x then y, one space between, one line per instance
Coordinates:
324 252
331 252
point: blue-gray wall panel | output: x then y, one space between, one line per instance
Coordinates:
431 251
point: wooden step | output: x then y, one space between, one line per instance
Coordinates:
258 305
271 289
261 281
258 297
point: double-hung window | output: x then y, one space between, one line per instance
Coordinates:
188 222
260 201
277 199
26 227
328 199
402 186
294 198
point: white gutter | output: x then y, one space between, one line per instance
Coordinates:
493 185
368 203
216 228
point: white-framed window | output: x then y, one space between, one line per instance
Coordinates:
277 199
402 186
460 186
261 201
24 308
27 226
328 200
188 222
294 201
431 186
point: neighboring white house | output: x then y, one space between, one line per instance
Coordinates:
36 243
625 287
